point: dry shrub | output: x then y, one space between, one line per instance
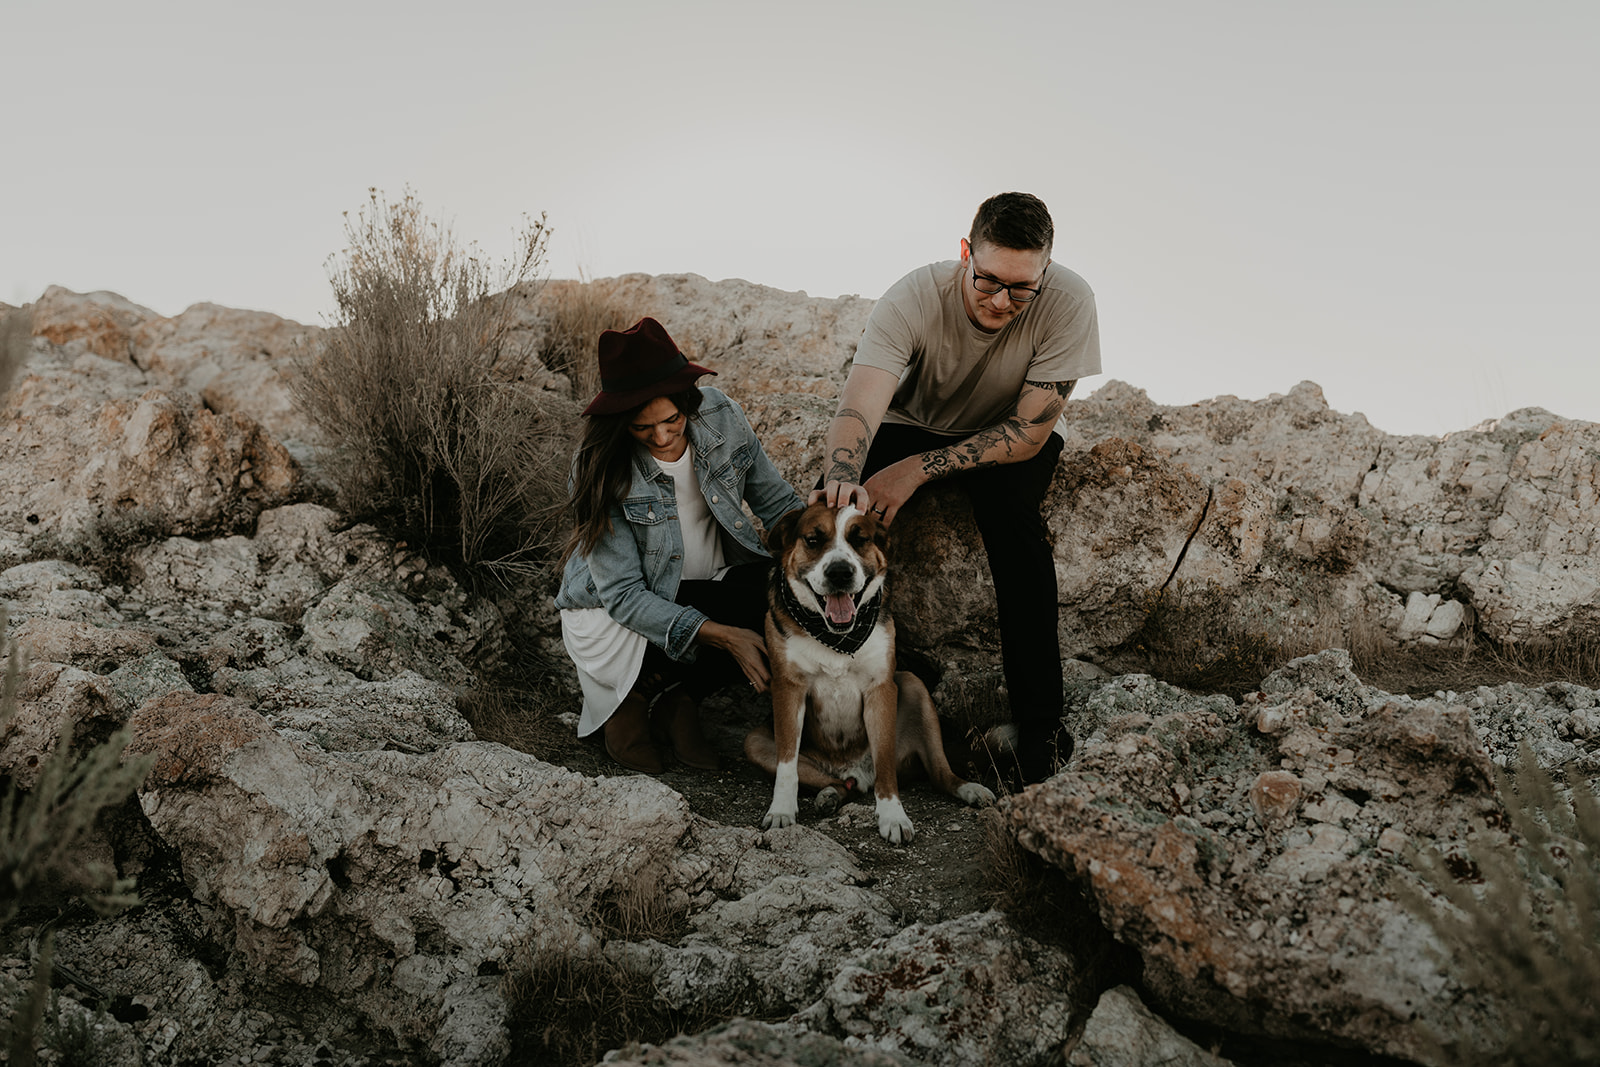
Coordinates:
1522 924
42 831
16 334
413 389
1421 669
574 315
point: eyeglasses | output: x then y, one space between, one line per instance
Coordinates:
989 286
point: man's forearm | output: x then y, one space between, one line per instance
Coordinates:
849 438
1015 438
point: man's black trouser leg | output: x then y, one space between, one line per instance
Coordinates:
1007 503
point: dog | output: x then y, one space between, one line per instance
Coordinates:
842 717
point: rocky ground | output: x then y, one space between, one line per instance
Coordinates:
341 871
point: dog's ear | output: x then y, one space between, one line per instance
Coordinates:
782 532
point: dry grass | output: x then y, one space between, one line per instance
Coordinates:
523 718
643 909
1193 638
431 438
1046 904
1421 670
570 1004
574 315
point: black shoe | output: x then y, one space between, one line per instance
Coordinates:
1041 756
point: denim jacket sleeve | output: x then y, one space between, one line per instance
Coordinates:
617 567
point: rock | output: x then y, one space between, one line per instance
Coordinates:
758 1044
51 698
101 323
100 648
235 360
1238 849
390 880
971 990
1122 1032
90 473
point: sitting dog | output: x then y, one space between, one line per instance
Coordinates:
842 717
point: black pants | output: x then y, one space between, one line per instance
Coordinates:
1007 503
739 599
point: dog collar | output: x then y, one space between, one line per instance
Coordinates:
815 625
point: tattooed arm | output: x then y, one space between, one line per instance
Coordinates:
865 398
1016 437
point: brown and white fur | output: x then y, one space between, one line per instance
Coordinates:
842 720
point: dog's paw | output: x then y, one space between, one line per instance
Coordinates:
777 819
828 800
974 794
893 822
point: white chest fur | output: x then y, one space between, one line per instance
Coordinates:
837 684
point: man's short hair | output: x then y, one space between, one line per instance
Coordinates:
1017 221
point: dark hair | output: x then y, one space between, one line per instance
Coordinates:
603 469
1017 221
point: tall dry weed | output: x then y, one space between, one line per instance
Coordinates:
1521 924
574 315
414 391
16 333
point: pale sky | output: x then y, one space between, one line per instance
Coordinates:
1393 199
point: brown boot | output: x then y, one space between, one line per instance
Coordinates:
679 715
627 735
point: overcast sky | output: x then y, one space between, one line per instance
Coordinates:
1393 199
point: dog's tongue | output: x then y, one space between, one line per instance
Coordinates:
841 608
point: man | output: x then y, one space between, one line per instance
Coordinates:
962 372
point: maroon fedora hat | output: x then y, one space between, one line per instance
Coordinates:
639 364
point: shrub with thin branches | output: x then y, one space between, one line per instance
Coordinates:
16 332
1521 923
42 831
413 388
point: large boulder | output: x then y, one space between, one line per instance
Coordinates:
396 882
93 465
1256 854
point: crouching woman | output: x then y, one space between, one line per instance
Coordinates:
664 588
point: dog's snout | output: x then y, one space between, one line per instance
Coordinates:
840 574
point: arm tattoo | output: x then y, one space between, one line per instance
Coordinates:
846 461
1061 389
984 448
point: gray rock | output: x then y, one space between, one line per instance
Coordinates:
1254 855
1122 1032
971 990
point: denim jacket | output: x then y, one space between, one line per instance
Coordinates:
634 570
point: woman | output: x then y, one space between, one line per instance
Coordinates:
664 590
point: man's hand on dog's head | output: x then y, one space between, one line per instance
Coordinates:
842 494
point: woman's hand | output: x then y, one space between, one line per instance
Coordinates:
748 649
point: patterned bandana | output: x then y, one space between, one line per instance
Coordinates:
813 623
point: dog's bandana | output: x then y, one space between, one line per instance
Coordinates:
815 625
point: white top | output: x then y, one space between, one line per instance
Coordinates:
607 654
702 548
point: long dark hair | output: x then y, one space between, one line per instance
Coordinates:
603 470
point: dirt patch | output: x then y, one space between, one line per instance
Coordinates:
939 876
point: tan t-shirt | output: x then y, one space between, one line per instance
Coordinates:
957 379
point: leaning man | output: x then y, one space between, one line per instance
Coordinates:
962 373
